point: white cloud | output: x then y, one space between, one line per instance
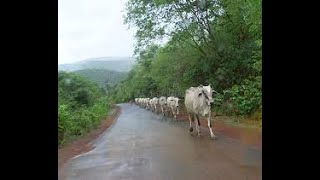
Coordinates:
92 28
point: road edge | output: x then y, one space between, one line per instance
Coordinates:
117 114
72 149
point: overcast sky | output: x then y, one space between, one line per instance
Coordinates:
92 28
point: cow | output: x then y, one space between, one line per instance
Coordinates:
154 103
198 101
147 103
173 105
136 100
150 103
139 101
162 103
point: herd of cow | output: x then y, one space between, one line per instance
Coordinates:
198 102
167 105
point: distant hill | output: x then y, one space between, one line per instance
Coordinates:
102 76
121 64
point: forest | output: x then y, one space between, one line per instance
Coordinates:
82 104
103 77
215 42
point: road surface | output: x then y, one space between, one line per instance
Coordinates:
142 145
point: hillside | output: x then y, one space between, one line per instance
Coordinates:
101 76
121 64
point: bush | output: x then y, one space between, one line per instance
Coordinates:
81 107
246 98
63 120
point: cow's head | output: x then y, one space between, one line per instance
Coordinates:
176 104
163 100
175 101
207 92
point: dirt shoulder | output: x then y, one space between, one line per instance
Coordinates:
82 144
246 131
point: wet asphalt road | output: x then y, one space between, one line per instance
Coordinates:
142 145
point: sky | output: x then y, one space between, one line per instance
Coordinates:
92 28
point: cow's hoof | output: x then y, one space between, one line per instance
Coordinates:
214 137
190 129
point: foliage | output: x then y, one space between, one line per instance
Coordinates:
81 106
103 77
209 42
245 97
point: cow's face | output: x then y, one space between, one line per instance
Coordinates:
163 100
207 91
156 100
176 100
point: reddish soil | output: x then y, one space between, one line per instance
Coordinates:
249 136
82 145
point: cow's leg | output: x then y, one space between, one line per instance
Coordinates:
166 109
176 112
210 127
162 110
173 113
190 120
198 124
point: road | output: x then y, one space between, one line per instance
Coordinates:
142 145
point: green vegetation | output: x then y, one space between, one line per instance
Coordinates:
210 42
81 106
104 78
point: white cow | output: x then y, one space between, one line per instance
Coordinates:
141 100
154 104
198 101
163 103
147 103
173 105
